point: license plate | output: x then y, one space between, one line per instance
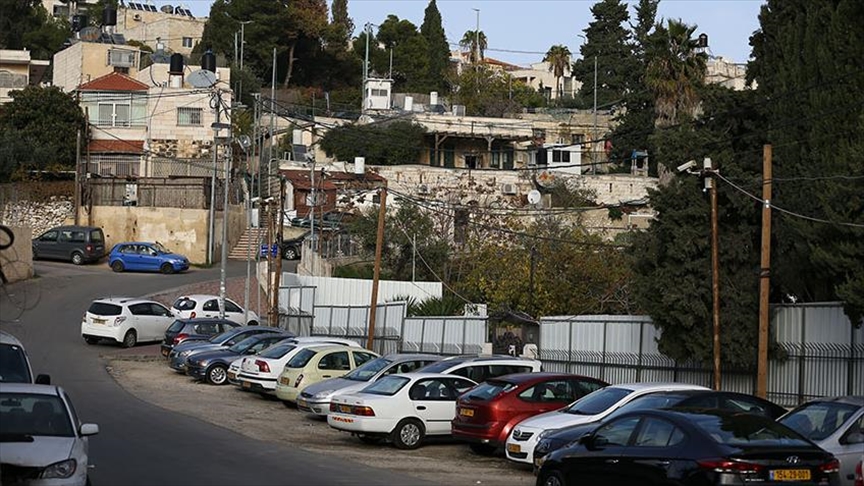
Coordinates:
301 402
790 475
514 448
284 381
232 376
345 408
99 321
466 412
247 384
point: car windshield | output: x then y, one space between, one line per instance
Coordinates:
368 370
277 351
222 336
26 414
176 326
818 420
13 364
245 344
439 366
489 390
160 248
387 386
301 359
746 430
598 401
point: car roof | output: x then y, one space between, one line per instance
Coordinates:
519 378
323 347
196 320
419 376
198 297
848 399
658 386
136 243
72 226
125 300
30 388
7 338
400 357
474 358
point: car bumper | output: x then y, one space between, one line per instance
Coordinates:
318 407
361 425
233 377
180 267
521 450
165 349
256 384
178 363
286 393
488 433
102 331
196 372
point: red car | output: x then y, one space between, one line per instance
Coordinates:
487 413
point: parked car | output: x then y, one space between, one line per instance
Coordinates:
260 373
15 364
481 368
192 306
327 221
177 356
836 424
146 257
552 440
405 407
689 448
316 398
317 363
125 320
76 244
590 408
234 367
486 415
212 365
182 330
292 248
41 439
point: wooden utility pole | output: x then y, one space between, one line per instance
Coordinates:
764 275
711 182
269 263
277 280
78 178
379 243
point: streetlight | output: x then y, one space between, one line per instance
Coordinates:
242 45
594 131
477 37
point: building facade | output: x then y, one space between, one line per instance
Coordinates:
18 70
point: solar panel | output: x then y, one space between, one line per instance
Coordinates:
151 8
118 39
188 13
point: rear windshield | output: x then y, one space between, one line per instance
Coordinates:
489 390
818 420
245 344
278 351
13 365
301 359
598 401
23 414
104 309
96 236
176 326
652 401
368 370
184 304
747 430
387 386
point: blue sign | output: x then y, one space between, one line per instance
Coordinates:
264 251
274 250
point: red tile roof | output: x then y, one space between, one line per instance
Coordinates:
114 82
300 180
116 146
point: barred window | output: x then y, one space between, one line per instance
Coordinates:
187 42
189 117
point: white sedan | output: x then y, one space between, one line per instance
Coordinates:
590 408
40 434
406 408
192 306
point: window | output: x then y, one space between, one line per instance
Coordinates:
551 391
460 385
335 361
658 433
598 401
121 58
432 389
361 357
379 92
387 386
577 138
232 307
189 117
187 42
206 328
72 236
584 387
115 108
142 309
562 156
211 305
301 359
617 433
49 236
158 310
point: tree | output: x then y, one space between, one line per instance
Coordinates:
469 43
410 62
558 57
806 63
341 20
25 24
392 143
485 92
675 71
438 54
38 130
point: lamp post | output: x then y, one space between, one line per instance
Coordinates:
477 37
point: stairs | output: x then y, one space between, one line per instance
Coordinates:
250 241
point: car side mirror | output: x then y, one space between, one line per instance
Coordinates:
43 379
251 351
88 429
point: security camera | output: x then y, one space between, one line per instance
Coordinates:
685 167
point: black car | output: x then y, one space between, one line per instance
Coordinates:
293 248
183 330
177 356
692 399
689 448
212 365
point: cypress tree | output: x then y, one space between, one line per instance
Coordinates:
438 49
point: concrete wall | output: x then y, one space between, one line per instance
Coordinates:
85 61
17 261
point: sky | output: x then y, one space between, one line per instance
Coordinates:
532 26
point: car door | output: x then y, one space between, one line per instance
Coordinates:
210 308
161 319
598 462
851 447
653 454
545 396
434 401
149 258
143 321
233 312
332 364
64 244
47 244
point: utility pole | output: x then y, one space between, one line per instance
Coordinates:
594 134
414 258
212 228
312 203
379 244
477 38
764 275
277 281
248 227
226 167
78 178
366 66
270 236
272 121
711 185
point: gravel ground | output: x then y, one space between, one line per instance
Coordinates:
144 373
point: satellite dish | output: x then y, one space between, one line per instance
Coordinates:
534 197
201 78
168 9
90 34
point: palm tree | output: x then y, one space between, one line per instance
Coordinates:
469 43
676 68
558 58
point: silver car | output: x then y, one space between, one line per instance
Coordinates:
316 398
836 425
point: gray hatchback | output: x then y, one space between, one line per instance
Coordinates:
77 244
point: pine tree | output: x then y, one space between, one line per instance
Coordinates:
438 49
341 19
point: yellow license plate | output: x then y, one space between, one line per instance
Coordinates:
345 408
791 475
247 384
284 381
514 448
232 376
466 412
301 402
99 321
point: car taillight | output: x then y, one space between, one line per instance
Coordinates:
192 315
119 319
831 466
179 338
89 248
263 367
726 466
363 411
297 382
859 474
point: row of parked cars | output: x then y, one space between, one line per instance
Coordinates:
42 440
571 429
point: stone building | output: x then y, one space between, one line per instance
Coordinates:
18 70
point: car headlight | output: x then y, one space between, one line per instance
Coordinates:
324 394
60 470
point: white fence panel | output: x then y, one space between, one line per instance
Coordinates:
351 291
444 335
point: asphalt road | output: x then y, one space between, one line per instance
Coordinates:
139 443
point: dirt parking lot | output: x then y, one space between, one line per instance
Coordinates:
443 461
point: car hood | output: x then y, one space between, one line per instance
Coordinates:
42 452
172 256
555 420
196 345
207 353
336 385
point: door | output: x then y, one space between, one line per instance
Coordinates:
545 396
652 455
143 321
162 319
598 463
851 448
130 257
149 258
332 365
233 312
434 402
47 245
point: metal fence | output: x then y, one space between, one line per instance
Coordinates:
185 193
444 335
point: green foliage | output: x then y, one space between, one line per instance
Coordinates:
38 130
469 43
392 143
410 68
485 92
25 24
675 71
438 53
446 305
558 57
362 270
244 82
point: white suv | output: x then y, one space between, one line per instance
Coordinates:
126 320
482 368
192 306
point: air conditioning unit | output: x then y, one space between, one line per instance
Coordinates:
459 110
509 189
422 189
475 310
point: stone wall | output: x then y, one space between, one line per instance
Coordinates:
39 206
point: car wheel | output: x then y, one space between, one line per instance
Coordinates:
217 375
370 439
130 339
289 254
117 266
408 434
77 258
90 340
483 449
166 268
552 478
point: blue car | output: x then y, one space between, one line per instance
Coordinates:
146 257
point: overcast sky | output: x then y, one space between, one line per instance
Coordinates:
532 26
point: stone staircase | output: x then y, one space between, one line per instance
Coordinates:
250 239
